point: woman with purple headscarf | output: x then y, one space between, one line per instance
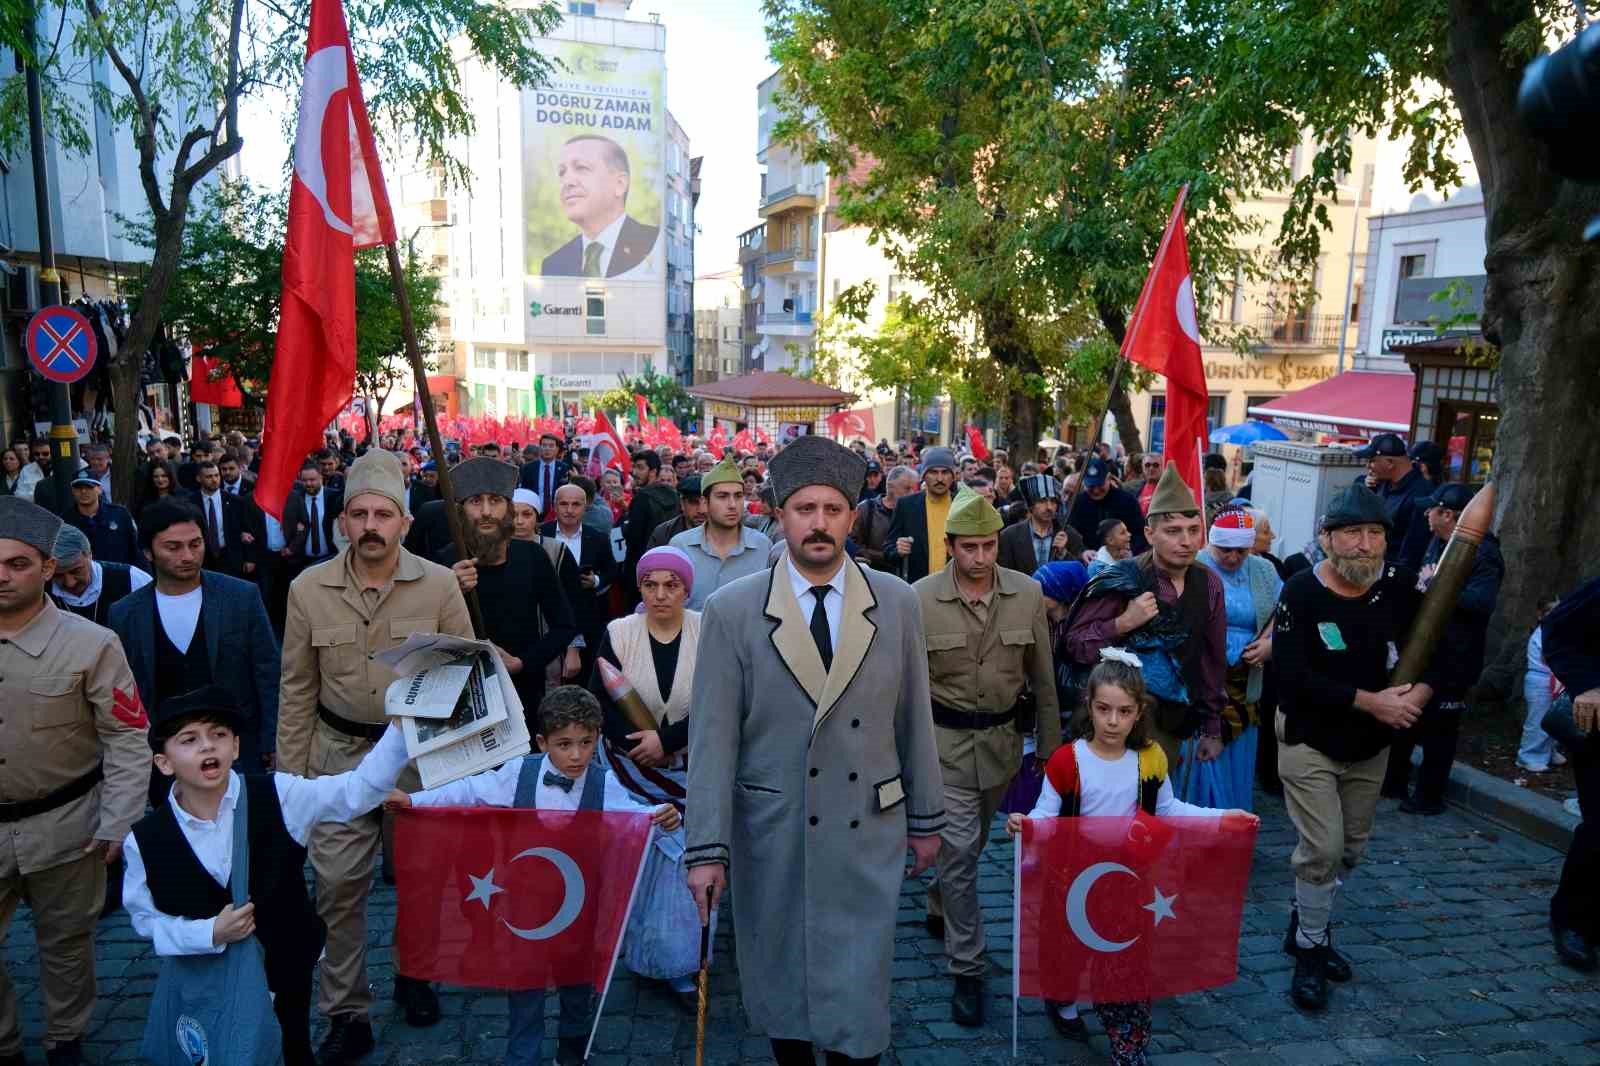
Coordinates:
655 650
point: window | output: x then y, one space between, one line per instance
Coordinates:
1355 302
480 398
1158 423
485 359
594 310
580 7
1216 414
896 287
517 362
1413 266
517 402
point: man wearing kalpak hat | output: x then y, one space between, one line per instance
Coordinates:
1040 538
369 597
519 591
988 645
1168 608
1334 632
812 768
72 747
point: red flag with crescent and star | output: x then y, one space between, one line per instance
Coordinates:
511 898
1119 909
1164 336
337 204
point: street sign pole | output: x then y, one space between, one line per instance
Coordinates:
63 437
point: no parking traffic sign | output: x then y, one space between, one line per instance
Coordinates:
61 344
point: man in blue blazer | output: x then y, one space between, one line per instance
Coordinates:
194 627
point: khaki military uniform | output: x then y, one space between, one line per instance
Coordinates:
74 768
980 657
333 687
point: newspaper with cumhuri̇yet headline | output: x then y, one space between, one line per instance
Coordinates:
456 704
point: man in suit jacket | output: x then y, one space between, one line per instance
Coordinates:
546 474
915 545
1025 546
589 553
308 521
228 521
194 627
595 176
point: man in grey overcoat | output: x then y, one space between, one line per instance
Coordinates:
812 768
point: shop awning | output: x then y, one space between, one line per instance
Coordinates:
1357 403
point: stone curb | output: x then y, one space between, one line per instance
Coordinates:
1521 810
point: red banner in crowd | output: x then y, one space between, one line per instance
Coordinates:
976 444
519 899
212 382
1120 909
337 204
857 423
717 443
605 448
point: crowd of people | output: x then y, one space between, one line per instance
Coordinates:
847 652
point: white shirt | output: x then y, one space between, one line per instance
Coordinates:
608 241
207 502
1111 787
832 603
574 543
179 616
498 788
337 798
91 592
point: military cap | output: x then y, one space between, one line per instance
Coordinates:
972 516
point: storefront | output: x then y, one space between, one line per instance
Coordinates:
1236 384
1357 404
782 406
1456 402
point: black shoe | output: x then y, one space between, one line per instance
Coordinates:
934 924
1071 1028
1394 792
16 1058
569 1050
1414 806
67 1054
348 1040
688 1002
1572 947
966 1004
420 1001
1338 966
1310 985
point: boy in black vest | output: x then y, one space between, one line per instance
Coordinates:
179 856
566 777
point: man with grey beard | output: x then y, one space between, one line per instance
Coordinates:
1337 632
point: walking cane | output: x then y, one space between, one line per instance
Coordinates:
705 984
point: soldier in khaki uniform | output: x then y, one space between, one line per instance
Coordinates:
988 640
342 612
74 765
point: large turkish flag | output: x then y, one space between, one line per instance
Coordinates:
516 899
1118 909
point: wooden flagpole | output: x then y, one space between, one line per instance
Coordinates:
419 372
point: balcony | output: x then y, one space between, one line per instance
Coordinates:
1308 331
787 324
790 261
788 198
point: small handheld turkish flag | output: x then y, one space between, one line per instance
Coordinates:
1120 909
517 899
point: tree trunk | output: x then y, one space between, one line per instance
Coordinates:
1543 286
1008 347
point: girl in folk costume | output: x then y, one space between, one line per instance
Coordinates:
643 675
1250 588
1113 769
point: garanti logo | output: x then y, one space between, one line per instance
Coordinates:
536 309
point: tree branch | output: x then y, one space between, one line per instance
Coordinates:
230 145
147 113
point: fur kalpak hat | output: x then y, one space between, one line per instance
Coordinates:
814 460
1038 487
475 477
26 521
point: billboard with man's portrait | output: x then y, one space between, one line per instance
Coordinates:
594 144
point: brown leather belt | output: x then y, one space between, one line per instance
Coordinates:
16 812
359 730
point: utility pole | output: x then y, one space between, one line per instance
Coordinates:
63 437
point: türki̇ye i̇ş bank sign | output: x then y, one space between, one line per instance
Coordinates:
594 147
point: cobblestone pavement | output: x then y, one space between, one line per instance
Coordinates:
1445 923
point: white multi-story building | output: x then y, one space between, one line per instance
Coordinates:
569 260
786 290
718 326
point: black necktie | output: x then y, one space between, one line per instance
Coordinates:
561 781
315 532
213 526
545 498
819 625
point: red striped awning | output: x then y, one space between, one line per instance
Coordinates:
1357 403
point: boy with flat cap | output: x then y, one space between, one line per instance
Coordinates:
73 772
1338 628
180 856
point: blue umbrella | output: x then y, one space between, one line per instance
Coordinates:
1250 431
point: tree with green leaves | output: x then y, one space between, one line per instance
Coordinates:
666 396
182 71
1026 153
227 289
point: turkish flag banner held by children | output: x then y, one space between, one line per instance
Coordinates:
516 899
1114 910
